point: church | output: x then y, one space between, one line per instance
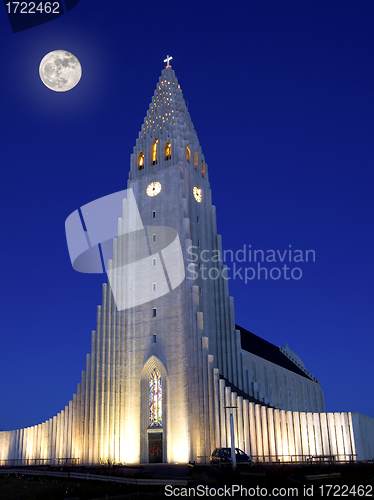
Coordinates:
169 368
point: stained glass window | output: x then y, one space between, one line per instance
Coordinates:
155 399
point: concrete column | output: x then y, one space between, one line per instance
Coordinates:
70 430
77 429
239 413
304 435
47 440
111 368
222 413
247 443
217 411
278 434
200 409
332 434
227 412
272 448
260 451
205 408
92 446
339 436
82 416
59 436
284 434
234 412
19 446
297 432
291 435
346 436
317 433
37 443
351 433
97 420
50 440
41 442
324 434
212 411
265 433
66 433
54 439
311 437
252 429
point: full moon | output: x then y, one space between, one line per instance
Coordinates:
60 70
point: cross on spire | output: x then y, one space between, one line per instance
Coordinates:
167 60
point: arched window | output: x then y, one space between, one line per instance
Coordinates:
154 152
188 154
168 151
155 399
195 159
202 168
141 161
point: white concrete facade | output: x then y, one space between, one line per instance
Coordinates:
191 340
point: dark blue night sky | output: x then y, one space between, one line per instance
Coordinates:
281 96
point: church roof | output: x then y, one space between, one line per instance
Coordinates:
168 114
264 349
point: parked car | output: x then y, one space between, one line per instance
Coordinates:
223 455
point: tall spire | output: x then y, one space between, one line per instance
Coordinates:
168 113
168 124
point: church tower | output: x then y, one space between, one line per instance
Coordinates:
162 338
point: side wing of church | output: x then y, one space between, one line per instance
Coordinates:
168 363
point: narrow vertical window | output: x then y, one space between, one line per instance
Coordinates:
141 161
153 237
188 154
195 159
153 262
202 168
153 286
153 214
200 291
154 312
154 339
154 152
155 397
198 220
198 243
168 151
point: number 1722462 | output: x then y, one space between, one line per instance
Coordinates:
33 8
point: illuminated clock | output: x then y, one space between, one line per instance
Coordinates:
153 188
197 194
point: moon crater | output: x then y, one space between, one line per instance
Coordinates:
60 70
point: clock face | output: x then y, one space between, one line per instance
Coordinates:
153 188
197 194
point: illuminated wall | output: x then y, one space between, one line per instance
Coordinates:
266 434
